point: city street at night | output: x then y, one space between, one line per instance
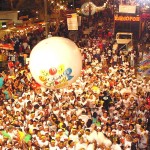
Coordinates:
74 75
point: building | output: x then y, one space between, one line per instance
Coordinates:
128 19
9 18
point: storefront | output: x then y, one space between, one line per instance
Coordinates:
128 23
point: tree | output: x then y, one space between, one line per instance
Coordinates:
30 7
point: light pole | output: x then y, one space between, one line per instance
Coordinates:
89 13
45 18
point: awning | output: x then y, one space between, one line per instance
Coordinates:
6 46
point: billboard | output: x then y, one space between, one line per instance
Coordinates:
129 9
72 21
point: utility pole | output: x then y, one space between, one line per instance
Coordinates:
89 19
45 18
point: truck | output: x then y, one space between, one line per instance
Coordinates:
124 42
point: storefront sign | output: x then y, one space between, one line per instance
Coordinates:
72 21
127 18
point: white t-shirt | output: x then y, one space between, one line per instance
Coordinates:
127 145
41 143
84 118
75 137
116 147
81 145
69 148
143 139
57 148
52 148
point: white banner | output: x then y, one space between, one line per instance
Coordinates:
72 21
129 9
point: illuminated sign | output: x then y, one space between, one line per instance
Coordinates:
127 18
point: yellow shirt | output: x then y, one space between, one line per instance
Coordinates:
1 57
21 135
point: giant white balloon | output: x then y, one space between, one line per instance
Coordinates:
88 8
55 62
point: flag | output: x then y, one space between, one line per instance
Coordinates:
145 62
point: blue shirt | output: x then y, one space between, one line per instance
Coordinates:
6 94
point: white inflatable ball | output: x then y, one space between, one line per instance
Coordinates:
55 62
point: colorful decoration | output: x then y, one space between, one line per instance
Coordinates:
55 62
144 66
56 77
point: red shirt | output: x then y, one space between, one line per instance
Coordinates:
148 100
10 64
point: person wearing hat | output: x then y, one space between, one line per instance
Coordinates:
74 135
57 138
62 134
52 145
43 142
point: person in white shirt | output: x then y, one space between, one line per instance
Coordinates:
82 144
52 145
20 101
61 146
83 102
78 90
25 44
74 136
119 130
17 108
132 56
43 143
115 146
84 117
127 142
143 138
71 145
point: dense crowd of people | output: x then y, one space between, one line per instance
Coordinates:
107 108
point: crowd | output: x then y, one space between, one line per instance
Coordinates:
107 108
